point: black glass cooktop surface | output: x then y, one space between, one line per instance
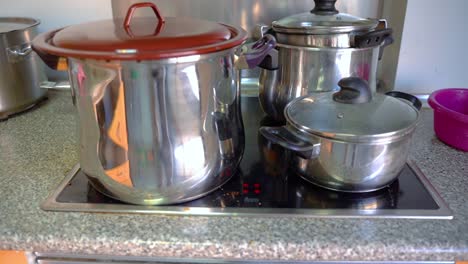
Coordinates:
264 185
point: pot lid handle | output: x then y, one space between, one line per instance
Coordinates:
324 8
354 90
131 10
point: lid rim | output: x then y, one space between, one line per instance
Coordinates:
310 23
322 30
44 43
34 24
347 138
309 48
343 137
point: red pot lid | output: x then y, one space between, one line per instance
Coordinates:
141 38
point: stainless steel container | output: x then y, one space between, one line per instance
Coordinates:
304 70
315 50
158 102
351 140
21 73
159 132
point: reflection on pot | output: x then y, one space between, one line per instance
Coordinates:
274 157
274 162
318 197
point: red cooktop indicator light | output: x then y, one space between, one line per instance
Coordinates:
257 191
245 185
245 191
256 185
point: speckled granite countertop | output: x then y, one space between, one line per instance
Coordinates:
38 148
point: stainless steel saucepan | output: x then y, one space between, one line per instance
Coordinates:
315 50
351 140
158 102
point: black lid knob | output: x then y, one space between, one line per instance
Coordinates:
324 8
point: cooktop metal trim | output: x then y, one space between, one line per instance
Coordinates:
63 258
444 212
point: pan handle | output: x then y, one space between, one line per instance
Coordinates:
254 54
287 139
408 97
19 53
260 30
374 38
382 36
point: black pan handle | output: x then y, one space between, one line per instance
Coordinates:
285 138
374 38
354 90
388 41
252 54
408 97
324 8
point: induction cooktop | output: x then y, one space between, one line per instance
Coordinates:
264 185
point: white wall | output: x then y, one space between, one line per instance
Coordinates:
434 48
57 13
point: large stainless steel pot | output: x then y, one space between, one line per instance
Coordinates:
351 140
20 72
158 103
315 50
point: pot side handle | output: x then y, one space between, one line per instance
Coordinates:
374 38
288 140
260 30
19 53
408 97
253 54
382 36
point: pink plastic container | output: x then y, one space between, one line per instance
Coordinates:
451 116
